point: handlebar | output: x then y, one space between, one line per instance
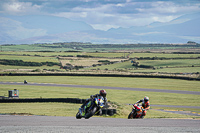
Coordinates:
133 104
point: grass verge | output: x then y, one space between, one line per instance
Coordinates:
150 83
119 97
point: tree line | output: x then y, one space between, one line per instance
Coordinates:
26 63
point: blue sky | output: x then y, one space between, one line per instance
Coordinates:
99 21
104 14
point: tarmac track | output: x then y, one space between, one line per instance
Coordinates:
16 123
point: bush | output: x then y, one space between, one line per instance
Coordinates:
23 63
36 70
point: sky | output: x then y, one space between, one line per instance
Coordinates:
99 21
103 14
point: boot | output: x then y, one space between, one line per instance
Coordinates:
83 111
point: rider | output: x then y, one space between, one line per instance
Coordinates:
145 104
102 93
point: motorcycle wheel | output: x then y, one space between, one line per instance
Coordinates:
142 117
130 116
90 113
78 116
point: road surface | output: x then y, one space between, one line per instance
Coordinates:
14 123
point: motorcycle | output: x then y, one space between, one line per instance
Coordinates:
25 82
94 107
137 112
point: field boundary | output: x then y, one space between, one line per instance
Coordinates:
140 75
105 111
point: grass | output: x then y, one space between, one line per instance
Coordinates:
26 68
83 61
150 83
108 54
121 97
67 109
29 58
152 114
93 48
49 109
53 54
167 66
180 70
166 55
84 93
171 63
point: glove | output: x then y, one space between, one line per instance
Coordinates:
101 105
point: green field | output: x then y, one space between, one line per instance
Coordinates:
100 54
166 55
183 60
167 66
48 54
27 58
119 97
88 47
150 83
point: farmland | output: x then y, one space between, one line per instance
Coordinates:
103 62
76 58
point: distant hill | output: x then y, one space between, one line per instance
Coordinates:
49 29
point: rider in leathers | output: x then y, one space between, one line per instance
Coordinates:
102 93
145 104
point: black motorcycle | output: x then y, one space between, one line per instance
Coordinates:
93 107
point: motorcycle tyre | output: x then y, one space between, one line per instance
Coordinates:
78 116
130 116
141 117
91 113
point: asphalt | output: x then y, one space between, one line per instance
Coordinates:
35 124
15 123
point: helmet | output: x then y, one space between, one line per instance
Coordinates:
102 93
146 98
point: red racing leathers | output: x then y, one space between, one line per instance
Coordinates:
145 105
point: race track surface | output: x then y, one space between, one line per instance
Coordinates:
13 124
35 124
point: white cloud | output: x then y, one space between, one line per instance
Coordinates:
104 26
168 7
148 33
104 14
71 15
163 18
127 14
20 8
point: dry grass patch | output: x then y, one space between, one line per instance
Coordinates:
76 61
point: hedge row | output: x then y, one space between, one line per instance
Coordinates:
26 63
65 100
33 100
164 58
109 111
100 75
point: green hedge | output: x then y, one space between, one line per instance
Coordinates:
27 63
